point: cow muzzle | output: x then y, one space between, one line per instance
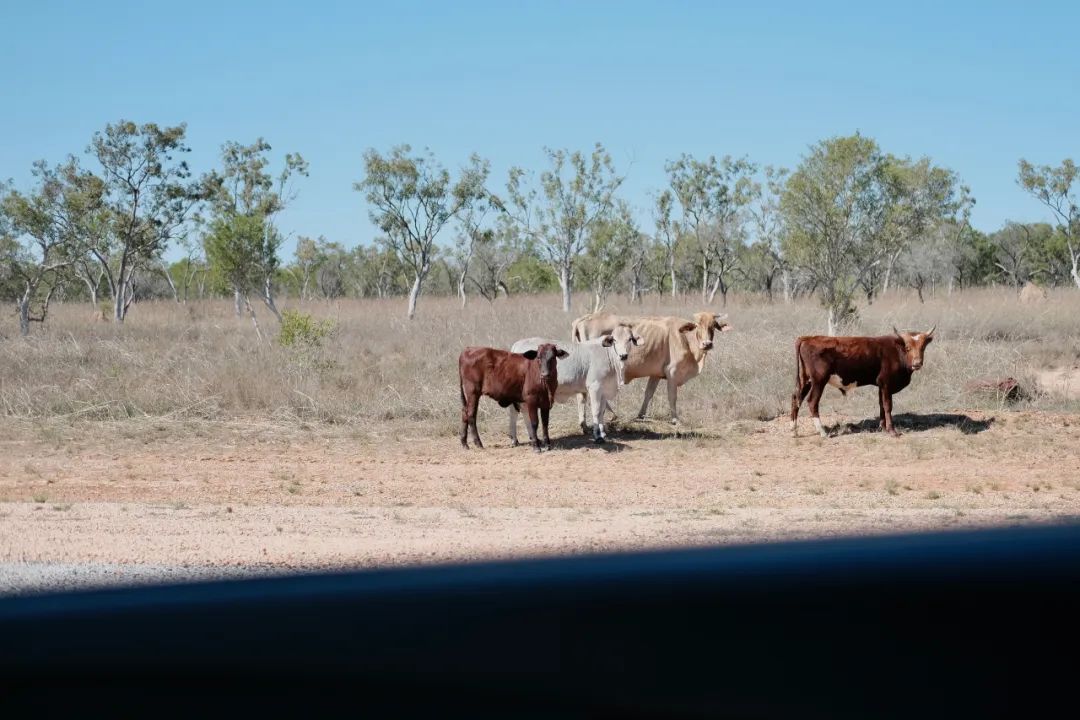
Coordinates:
707 345
623 356
916 365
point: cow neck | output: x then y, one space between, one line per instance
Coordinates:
613 360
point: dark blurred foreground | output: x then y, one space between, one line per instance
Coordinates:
973 624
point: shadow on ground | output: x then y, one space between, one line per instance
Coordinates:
910 422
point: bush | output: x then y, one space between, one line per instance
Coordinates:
301 331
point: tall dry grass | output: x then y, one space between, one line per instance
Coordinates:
200 361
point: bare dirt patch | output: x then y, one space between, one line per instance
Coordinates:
264 496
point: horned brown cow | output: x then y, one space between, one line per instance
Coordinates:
887 362
528 378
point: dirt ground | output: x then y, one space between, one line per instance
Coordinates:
264 497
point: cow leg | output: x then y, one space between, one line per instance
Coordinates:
881 408
512 412
797 398
886 407
545 415
816 389
580 398
650 388
472 424
466 418
531 423
672 397
597 405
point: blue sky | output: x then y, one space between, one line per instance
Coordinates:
973 85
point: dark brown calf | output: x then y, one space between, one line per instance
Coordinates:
508 378
846 362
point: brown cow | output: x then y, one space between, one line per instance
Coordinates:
528 378
847 362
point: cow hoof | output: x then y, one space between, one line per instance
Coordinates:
894 433
599 439
536 449
514 443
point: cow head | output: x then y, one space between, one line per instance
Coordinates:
548 356
621 339
705 327
914 346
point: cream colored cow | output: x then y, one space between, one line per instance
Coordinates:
671 349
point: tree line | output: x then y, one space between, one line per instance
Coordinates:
848 223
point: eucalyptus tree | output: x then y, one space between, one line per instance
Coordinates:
608 249
575 192
712 196
247 193
411 199
766 252
43 231
1053 187
476 234
667 234
836 209
150 195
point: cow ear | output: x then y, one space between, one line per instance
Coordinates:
560 353
636 339
529 354
723 327
687 327
608 341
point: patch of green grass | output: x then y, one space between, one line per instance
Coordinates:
40 497
892 487
933 495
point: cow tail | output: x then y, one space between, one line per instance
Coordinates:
800 368
575 331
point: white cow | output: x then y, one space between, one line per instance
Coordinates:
594 367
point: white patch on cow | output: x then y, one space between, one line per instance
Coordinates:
916 337
817 424
838 383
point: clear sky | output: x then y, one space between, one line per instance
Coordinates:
973 85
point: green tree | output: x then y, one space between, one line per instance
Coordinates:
712 195
237 246
411 199
307 259
1053 187
575 192
836 208
247 188
667 233
607 252
43 231
150 196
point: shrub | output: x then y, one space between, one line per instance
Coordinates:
303 332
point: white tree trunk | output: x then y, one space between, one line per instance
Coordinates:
1075 267
564 283
268 297
238 303
671 269
414 294
786 278
461 289
23 304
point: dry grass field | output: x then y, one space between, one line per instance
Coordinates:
180 440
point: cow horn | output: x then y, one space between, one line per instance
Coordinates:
931 333
897 332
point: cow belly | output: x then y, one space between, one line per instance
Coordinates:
838 382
